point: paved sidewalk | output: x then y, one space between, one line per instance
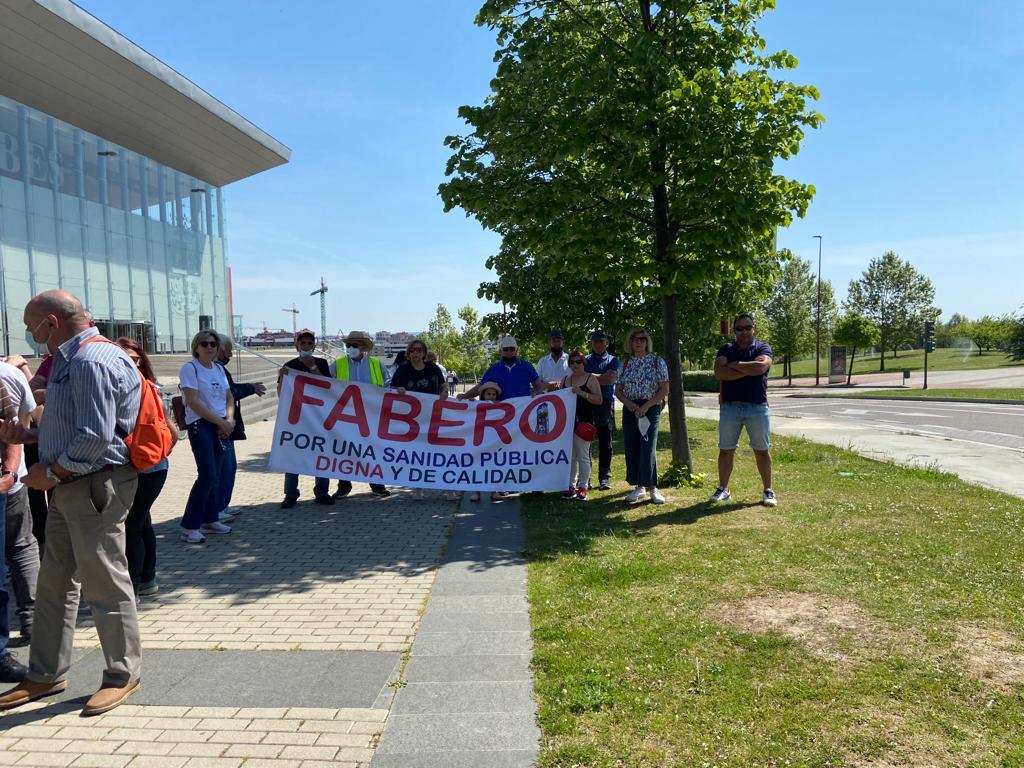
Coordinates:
467 701
277 645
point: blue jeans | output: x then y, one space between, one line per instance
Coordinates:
733 416
229 466
208 450
321 486
641 454
5 620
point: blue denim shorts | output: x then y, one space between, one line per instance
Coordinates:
732 417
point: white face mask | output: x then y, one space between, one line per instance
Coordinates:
354 352
643 424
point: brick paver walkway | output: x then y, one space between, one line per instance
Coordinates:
349 577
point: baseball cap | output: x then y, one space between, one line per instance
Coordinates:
507 341
599 335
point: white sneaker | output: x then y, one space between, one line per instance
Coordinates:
637 494
656 497
224 516
720 494
769 499
217 527
192 537
233 511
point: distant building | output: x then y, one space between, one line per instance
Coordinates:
111 173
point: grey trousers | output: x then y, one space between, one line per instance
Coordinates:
22 555
85 536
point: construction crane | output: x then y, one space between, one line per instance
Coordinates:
295 316
322 290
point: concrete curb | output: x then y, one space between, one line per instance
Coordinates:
912 398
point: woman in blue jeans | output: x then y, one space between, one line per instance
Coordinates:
140 540
210 418
641 388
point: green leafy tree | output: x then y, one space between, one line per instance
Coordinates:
896 298
855 332
635 144
989 333
1015 347
471 342
948 334
442 337
789 312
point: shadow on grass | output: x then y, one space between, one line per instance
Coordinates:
559 527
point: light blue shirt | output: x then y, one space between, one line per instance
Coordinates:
92 403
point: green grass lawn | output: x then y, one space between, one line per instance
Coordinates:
875 619
983 394
939 360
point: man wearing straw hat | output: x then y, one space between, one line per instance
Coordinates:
357 365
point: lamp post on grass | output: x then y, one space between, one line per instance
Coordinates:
817 345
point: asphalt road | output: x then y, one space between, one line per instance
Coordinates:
995 425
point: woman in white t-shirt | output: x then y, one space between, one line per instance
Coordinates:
210 418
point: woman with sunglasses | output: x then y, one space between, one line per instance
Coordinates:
210 417
642 388
588 396
140 541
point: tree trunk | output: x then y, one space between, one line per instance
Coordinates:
789 370
850 374
676 406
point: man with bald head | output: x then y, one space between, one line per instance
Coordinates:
92 403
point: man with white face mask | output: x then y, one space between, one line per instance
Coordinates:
306 362
357 365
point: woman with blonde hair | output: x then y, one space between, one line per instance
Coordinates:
210 420
641 388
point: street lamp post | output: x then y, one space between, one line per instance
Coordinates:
817 345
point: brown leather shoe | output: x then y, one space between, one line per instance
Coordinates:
108 697
27 691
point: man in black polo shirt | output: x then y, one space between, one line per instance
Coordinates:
306 362
742 368
605 366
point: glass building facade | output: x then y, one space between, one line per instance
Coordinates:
141 244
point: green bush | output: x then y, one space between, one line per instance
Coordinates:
700 381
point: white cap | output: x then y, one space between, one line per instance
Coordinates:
507 341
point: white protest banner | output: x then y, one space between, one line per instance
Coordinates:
356 431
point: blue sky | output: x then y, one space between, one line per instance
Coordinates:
920 153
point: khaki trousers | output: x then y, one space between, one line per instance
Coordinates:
85 541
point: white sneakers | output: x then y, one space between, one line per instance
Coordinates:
637 494
215 527
656 497
720 494
192 537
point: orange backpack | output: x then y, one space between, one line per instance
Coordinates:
150 441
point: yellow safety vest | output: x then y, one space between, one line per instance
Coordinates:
376 371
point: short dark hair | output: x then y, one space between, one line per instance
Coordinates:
740 317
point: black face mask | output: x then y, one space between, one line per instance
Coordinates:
509 360
556 352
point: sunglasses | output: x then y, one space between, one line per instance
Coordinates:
508 349
575 362
639 338
743 328
207 343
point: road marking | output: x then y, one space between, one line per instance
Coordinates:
998 434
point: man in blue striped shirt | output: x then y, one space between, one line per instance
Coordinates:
92 403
